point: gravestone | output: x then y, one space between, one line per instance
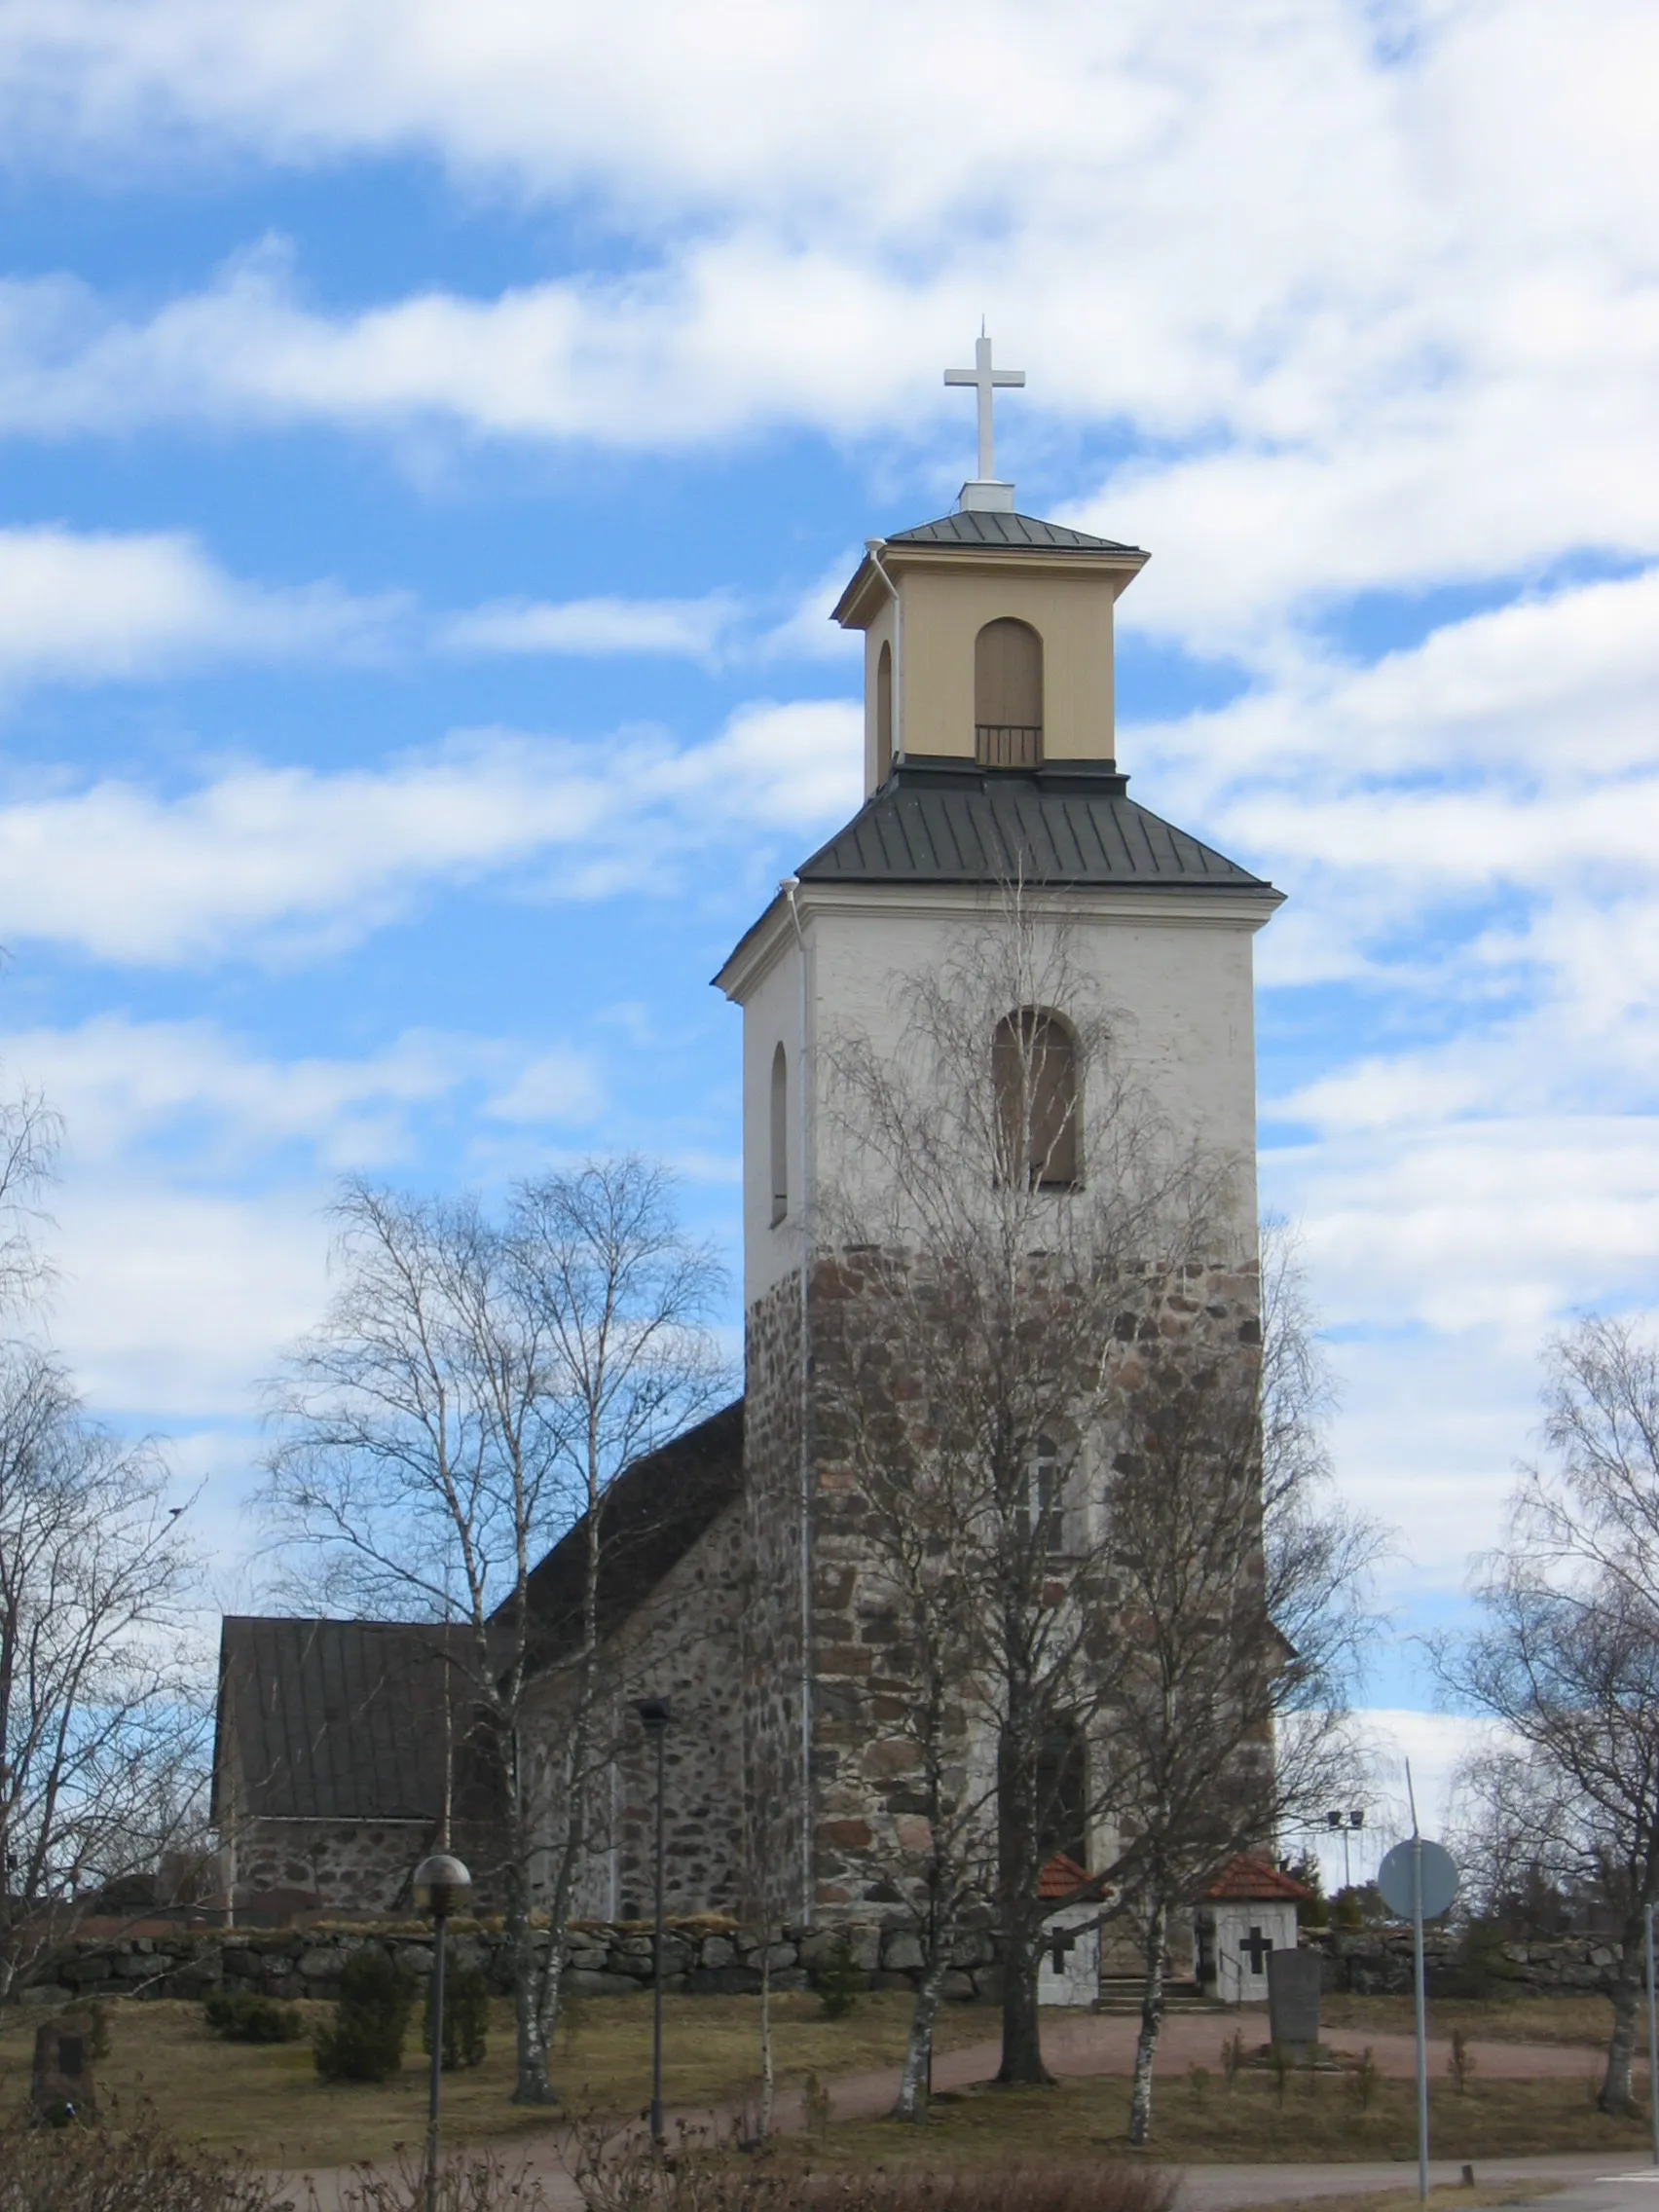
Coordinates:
60 2086
1293 1999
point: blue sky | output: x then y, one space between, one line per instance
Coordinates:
430 441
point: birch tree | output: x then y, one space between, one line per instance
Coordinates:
101 1711
967 1258
1567 1656
470 1395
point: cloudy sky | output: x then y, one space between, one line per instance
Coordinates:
434 437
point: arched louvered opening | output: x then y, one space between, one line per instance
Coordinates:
1008 696
1034 1075
779 1134
883 714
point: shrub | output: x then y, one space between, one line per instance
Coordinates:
840 1979
243 2016
364 2042
466 2017
626 2175
469 2181
136 2168
1362 2081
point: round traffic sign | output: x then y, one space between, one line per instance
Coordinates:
1396 1878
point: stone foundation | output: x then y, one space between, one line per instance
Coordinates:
705 1957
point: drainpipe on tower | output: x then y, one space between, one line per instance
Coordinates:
790 886
873 546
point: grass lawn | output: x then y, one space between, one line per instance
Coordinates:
1202 2124
267 2100
1498 2019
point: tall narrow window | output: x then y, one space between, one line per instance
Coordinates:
1034 1071
1062 1793
780 1137
1041 1511
1008 696
883 714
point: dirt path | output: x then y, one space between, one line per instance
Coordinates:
1082 2045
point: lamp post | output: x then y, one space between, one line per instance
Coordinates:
655 1718
442 1886
1346 1827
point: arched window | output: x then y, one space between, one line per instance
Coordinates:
1063 1794
1034 1072
1008 696
780 1120
883 714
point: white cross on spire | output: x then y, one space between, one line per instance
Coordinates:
985 380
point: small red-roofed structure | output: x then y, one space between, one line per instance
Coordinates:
1244 1880
1245 1911
1062 1879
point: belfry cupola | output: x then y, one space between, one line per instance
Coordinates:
989 635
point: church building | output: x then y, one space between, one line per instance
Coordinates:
990 757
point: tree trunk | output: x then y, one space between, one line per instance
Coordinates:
918 2051
1616 2094
532 2085
1019 1874
763 2125
1152 2020
1021 2037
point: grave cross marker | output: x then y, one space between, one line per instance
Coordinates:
1258 1946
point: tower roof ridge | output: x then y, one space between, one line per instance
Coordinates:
1029 534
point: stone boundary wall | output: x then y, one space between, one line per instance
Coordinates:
703 1957
1377 1961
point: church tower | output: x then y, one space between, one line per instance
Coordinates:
990 757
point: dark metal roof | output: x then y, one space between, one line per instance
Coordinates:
344 1720
648 1520
1066 823
982 525
336 1719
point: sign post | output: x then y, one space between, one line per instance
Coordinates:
1652 2039
1419 1878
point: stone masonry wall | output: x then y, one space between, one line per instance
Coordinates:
1377 1961
682 1644
703 1957
865 1773
350 1866
775 1782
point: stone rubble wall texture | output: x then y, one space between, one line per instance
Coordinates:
348 1865
683 1646
1377 1961
710 1957
702 1957
774 1779
865 1769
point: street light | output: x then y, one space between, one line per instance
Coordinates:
655 1718
442 1886
1349 1826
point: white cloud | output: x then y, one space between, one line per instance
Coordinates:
718 629
288 859
553 1086
84 606
692 629
175 1299
1383 322
122 1084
